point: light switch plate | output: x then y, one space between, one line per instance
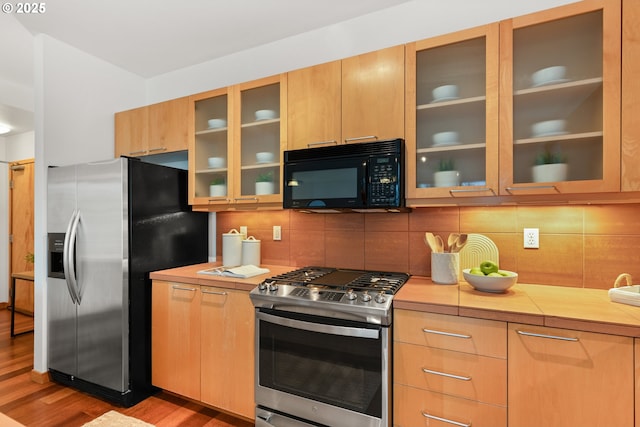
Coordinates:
277 232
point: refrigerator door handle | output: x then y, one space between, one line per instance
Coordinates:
68 263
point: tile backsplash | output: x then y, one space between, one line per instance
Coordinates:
580 246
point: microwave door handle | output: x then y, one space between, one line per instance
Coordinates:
67 254
365 184
320 327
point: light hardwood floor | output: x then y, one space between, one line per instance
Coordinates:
53 405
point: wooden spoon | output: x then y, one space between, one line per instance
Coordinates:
451 241
440 243
430 240
462 240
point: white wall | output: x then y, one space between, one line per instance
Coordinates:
76 97
405 23
77 94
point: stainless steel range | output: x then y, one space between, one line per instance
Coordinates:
323 347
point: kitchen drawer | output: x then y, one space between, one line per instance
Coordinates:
418 408
468 335
465 375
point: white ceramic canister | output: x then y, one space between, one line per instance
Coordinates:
232 248
251 251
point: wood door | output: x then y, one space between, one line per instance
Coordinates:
131 132
168 126
21 230
630 93
560 377
373 95
314 106
175 338
227 338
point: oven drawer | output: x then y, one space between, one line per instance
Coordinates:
414 407
465 375
468 335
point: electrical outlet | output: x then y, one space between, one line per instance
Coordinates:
531 238
277 232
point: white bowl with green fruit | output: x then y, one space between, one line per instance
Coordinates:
488 277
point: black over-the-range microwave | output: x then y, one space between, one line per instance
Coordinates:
362 176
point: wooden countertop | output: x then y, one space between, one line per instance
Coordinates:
555 306
189 274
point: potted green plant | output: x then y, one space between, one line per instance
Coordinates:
550 166
264 183
447 175
218 187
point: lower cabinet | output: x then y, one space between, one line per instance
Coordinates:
457 371
449 370
203 345
560 377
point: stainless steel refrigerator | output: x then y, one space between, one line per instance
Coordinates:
110 224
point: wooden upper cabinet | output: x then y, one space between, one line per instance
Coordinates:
168 126
452 115
358 99
373 95
314 99
630 96
154 129
580 107
131 132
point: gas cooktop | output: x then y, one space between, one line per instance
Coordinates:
333 292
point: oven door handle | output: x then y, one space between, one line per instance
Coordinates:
320 327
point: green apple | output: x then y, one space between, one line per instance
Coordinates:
488 267
504 273
495 274
476 271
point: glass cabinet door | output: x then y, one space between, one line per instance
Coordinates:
259 147
209 157
452 116
560 100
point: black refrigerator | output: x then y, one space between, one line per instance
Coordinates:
109 225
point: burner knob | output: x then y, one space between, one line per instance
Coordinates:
351 295
263 285
366 297
381 298
273 286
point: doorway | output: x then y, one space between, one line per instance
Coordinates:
21 215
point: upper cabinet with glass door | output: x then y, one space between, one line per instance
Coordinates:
210 155
560 100
260 141
452 115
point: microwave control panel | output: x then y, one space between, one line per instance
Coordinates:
383 181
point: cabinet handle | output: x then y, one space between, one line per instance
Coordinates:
472 190
445 420
312 144
246 198
449 334
213 292
359 138
533 187
158 149
444 374
133 153
218 199
553 337
181 288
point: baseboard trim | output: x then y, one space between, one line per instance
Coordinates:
40 377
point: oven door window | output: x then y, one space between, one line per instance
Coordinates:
340 370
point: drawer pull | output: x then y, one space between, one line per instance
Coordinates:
553 337
213 292
445 420
449 334
444 374
180 288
